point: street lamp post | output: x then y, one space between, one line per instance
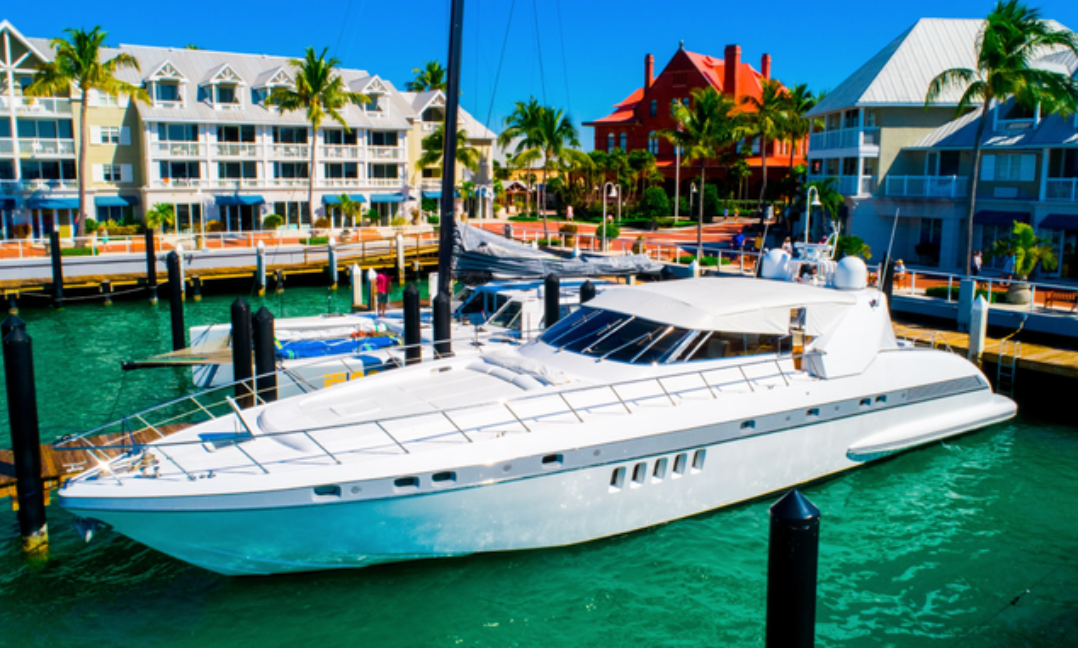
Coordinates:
699 223
810 203
615 192
677 179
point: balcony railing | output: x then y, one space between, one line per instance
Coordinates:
1061 189
7 146
237 183
39 105
300 151
384 182
844 138
180 183
341 152
44 147
174 104
9 186
237 149
342 182
431 184
926 186
278 183
431 126
850 185
228 106
177 149
385 153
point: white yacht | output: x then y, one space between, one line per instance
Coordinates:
648 404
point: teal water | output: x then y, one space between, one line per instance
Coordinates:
925 549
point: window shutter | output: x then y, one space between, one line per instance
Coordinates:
95 134
1029 168
125 136
91 98
122 100
126 173
99 173
988 168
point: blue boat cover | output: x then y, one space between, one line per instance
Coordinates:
299 349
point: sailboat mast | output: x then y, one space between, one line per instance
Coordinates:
449 157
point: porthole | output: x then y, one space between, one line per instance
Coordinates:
640 473
748 425
552 461
443 478
881 399
679 464
406 483
698 460
813 413
659 472
866 402
329 490
617 480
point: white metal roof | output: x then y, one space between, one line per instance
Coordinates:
725 304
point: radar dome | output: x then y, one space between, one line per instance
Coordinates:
775 265
851 274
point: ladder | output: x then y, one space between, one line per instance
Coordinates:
1006 369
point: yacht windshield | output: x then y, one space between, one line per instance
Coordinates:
507 317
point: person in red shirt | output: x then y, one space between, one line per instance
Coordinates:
383 293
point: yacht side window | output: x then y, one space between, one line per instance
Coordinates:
508 316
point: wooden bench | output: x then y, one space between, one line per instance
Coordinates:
1063 297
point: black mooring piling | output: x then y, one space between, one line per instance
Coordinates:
196 288
241 353
175 302
25 435
151 268
265 355
57 270
413 353
106 289
792 558
13 303
587 292
278 282
551 300
443 347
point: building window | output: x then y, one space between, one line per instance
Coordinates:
167 92
293 213
653 143
1014 168
383 138
237 170
105 214
106 99
44 129
928 249
110 173
188 217
624 143
339 137
7 170
225 95
609 142
49 170
654 108
110 135
384 171
289 135
179 170
291 170
244 134
342 170
177 132
375 105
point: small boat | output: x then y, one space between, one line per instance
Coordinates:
645 405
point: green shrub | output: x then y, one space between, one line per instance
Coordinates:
705 261
432 219
852 246
322 223
91 226
429 204
271 222
78 251
215 226
609 231
655 203
398 221
315 240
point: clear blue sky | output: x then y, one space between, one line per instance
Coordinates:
592 51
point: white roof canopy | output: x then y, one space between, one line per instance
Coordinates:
729 304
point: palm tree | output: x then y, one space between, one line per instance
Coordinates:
159 215
798 101
77 63
320 92
705 128
431 76
434 150
350 209
1028 250
1012 38
766 119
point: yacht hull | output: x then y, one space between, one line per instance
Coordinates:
557 508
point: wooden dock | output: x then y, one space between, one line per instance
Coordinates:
1034 357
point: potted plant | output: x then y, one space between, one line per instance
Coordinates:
1023 251
273 222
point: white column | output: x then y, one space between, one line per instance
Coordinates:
1044 173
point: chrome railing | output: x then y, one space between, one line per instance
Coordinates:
127 457
927 186
290 151
178 149
34 147
341 152
237 149
1061 189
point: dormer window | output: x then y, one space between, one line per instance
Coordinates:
377 92
375 105
433 115
1015 116
167 92
166 86
225 96
222 89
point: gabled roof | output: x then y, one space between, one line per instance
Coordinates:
274 77
899 74
222 74
166 71
371 84
40 49
1052 130
423 100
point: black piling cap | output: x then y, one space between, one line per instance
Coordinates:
18 335
587 291
794 506
263 315
10 323
411 288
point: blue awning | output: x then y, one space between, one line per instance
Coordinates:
387 198
336 200
54 203
1066 222
115 201
7 203
437 195
232 201
1007 218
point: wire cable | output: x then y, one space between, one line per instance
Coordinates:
501 59
539 45
344 25
1013 602
564 60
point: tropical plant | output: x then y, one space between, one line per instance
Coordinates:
320 92
544 135
352 210
655 203
272 222
468 193
795 128
705 129
432 76
161 214
1028 251
77 63
434 150
766 118
1012 39
852 246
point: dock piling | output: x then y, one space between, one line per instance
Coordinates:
183 277
265 356
25 435
333 272
413 353
13 303
278 282
587 292
196 288
443 345
57 270
978 329
792 561
399 242
241 352
551 300
106 288
372 290
260 269
175 301
151 268
356 277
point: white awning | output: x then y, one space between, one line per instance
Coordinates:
729 304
